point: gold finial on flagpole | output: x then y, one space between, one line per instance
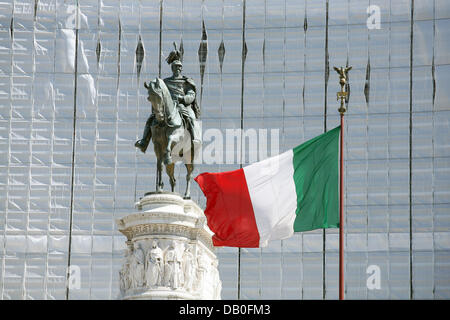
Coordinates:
343 81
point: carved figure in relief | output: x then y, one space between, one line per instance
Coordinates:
172 270
216 280
189 268
137 267
124 273
155 265
202 269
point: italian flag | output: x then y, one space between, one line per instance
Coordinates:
271 199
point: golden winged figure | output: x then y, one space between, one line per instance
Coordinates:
343 73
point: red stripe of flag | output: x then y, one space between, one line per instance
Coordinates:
229 209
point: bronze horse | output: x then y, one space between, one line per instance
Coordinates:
169 135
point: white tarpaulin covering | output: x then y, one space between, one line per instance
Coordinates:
72 104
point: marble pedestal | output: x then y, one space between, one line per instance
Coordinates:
170 253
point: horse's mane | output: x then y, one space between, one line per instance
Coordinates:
158 87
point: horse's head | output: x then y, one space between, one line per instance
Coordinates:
156 97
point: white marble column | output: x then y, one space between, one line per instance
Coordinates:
170 254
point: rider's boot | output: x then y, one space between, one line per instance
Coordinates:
143 143
195 138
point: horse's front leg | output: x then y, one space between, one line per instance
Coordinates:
189 163
189 168
159 182
167 155
171 173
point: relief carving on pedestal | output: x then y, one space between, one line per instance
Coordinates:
124 273
189 268
137 266
173 276
177 267
155 265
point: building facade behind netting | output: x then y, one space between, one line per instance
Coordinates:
72 104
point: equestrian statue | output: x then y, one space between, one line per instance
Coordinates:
172 125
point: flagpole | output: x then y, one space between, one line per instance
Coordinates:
341 214
343 97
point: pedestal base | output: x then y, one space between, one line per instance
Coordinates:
170 253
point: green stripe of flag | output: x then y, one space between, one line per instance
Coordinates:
316 178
